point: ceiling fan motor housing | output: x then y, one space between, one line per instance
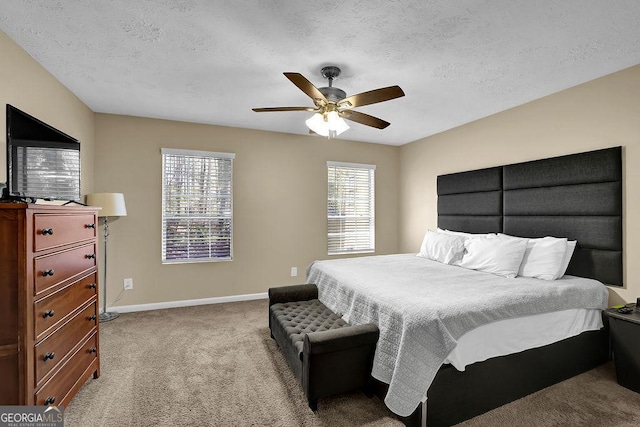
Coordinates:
333 94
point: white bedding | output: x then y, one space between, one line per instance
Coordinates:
423 308
521 333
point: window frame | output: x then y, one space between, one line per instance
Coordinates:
372 210
200 154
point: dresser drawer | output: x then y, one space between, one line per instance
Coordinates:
53 349
56 389
53 269
57 230
53 309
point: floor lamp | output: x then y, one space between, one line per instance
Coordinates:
112 205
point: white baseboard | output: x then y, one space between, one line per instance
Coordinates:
186 303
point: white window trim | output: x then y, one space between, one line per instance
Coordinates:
373 240
351 165
195 153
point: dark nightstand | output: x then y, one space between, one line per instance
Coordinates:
625 340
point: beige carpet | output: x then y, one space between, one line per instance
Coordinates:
216 365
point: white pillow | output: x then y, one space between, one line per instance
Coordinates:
566 258
571 246
441 247
497 256
543 258
468 235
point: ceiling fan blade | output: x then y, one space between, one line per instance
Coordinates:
371 97
307 87
364 119
267 109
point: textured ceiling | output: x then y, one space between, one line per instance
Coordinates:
211 61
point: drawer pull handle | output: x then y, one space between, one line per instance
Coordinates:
48 313
90 225
48 356
90 256
92 285
46 273
92 317
93 350
46 231
50 400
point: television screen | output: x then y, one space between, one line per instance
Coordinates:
42 162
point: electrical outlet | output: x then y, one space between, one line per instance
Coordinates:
128 284
294 271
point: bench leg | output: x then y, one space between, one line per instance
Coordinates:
369 389
313 404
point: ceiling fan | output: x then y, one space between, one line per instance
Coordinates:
332 104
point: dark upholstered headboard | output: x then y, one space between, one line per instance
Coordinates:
578 196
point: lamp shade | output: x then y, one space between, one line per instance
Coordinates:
316 123
336 123
112 204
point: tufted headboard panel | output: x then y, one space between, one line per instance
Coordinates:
471 201
578 196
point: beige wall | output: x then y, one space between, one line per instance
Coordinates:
598 114
29 87
280 190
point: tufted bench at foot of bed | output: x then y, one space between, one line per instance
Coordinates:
326 354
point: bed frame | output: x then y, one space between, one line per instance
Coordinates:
578 196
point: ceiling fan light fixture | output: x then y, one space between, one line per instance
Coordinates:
328 124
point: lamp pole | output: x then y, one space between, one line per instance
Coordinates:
105 316
111 204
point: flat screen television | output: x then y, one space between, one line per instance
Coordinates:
42 162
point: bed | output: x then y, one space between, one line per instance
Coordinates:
578 197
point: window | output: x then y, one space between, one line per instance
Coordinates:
350 208
197 206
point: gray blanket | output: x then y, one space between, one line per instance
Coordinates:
422 307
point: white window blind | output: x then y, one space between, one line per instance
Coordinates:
350 208
197 206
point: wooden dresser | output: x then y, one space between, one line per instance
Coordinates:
49 343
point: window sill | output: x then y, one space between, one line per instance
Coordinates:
195 261
368 251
